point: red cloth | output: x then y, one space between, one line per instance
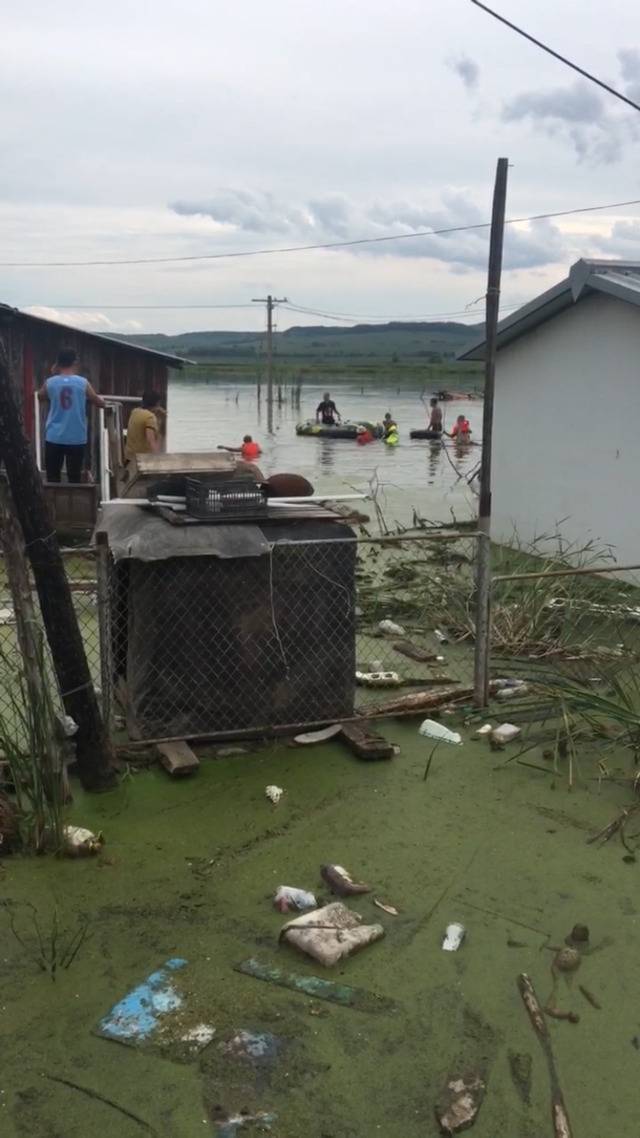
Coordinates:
364 438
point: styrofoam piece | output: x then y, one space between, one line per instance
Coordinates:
433 730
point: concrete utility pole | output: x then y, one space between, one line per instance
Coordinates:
93 748
270 302
483 560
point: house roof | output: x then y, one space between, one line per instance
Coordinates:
172 361
620 279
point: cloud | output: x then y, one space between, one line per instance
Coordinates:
579 114
467 69
90 321
337 217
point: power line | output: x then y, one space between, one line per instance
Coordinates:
130 307
556 55
321 245
348 316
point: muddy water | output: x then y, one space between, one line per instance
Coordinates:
188 870
427 476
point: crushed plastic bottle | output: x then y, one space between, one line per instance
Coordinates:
437 731
441 636
287 897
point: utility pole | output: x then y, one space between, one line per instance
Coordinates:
270 302
483 559
93 748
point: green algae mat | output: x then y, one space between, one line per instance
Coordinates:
188 873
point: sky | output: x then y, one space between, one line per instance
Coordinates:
167 129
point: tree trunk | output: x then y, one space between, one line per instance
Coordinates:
56 603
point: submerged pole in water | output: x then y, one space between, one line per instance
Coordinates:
270 302
483 554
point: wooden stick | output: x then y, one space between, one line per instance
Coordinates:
561 1124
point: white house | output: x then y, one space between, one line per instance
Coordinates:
566 451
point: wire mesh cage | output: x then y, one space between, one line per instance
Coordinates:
209 499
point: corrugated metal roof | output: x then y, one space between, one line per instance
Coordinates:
173 361
620 279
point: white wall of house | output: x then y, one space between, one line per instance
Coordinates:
567 429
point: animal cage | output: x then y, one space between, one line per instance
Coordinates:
218 629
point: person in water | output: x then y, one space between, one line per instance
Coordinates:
327 412
391 435
461 429
249 450
435 416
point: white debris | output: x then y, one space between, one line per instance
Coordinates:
453 937
442 734
486 729
79 842
390 627
505 733
274 793
378 679
289 897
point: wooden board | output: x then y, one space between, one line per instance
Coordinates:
365 743
177 758
198 463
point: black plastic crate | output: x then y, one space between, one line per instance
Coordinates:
209 499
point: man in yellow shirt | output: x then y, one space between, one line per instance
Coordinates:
143 433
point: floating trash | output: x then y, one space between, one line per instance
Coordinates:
391 628
330 934
287 897
257 1046
274 793
433 730
453 937
157 1015
341 882
317 988
79 842
505 733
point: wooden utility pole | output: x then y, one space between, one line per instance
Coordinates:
483 559
56 603
270 302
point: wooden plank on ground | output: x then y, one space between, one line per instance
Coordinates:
177 758
365 743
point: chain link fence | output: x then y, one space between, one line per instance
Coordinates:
310 633
80 566
315 631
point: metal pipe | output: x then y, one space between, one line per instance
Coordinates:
582 572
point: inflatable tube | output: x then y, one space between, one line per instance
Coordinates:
426 434
338 430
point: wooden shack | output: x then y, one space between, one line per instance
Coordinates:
114 367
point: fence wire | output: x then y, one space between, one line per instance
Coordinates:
320 630
311 633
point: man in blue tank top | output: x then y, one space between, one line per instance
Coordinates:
66 429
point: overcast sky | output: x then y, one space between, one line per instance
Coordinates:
169 129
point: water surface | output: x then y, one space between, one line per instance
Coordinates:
428 477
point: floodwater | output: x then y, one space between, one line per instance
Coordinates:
189 869
428 477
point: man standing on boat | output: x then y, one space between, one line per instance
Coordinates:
327 411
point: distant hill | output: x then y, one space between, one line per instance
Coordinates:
430 342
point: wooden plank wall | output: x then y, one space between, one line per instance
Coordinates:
112 369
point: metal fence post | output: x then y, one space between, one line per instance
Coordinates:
483 621
103 581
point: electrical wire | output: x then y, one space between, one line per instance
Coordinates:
556 55
142 307
320 245
350 316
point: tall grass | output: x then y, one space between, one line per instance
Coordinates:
33 752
